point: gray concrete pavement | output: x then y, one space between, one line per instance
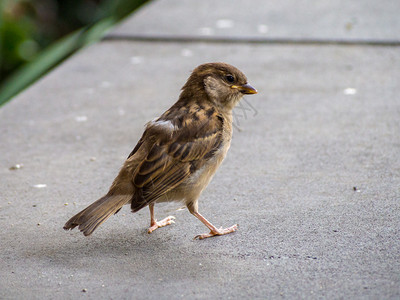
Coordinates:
285 19
326 120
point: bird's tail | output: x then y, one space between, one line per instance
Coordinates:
96 213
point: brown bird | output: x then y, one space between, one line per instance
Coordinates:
178 153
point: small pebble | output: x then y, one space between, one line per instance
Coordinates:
262 28
350 91
121 112
186 53
206 31
224 23
16 167
84 290
349 26
40 186
135 60
81 118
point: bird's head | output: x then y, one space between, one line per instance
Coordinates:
223 84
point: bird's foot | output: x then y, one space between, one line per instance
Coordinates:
220 231
164 222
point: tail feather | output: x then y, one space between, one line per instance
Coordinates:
98 212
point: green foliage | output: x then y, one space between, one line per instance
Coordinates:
18 46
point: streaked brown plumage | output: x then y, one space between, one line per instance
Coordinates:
178 153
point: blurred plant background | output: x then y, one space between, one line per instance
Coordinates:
36 35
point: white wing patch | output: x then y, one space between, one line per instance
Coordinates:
163 125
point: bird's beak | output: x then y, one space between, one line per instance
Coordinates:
245 89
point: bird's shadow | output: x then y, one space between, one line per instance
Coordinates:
69 249
123 245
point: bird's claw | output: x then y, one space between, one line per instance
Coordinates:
164 222
220 231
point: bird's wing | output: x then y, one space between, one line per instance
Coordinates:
177 148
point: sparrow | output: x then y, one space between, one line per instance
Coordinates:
178 153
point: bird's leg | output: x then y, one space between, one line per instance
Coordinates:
153 222
213 230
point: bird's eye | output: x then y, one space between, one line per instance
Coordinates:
230 78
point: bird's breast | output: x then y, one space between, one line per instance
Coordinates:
201 177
